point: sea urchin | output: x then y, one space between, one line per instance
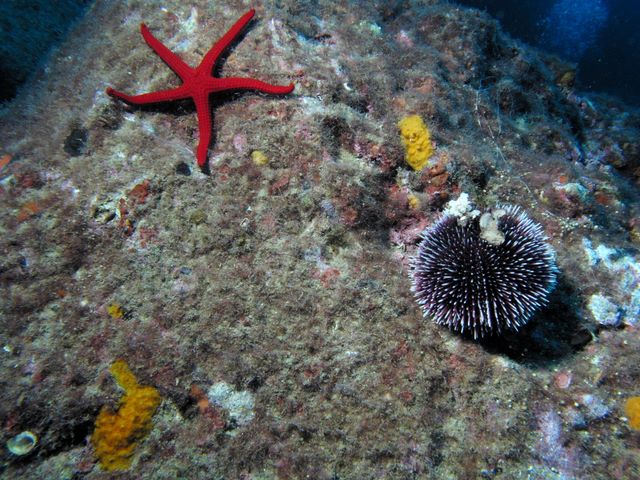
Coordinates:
483 274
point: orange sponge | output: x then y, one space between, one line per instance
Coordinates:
632 411
116 433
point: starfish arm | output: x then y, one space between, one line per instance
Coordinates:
203 109
175 63
236 83
178 93
220 46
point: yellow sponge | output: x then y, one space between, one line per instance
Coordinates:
632 411
416 140
116 433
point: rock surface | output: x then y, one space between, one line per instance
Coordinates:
287 279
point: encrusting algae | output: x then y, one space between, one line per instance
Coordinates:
117 433
259 158
115 311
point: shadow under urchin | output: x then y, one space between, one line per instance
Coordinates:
481 288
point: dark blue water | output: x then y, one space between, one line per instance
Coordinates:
600 36
28 31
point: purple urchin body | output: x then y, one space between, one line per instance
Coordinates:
473 286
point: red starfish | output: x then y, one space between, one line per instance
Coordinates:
199 82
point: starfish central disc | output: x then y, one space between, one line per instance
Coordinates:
198 83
